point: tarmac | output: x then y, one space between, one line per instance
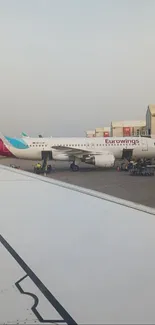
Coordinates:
139 189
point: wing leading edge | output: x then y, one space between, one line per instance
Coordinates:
83 268
70 151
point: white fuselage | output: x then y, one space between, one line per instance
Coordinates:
141 147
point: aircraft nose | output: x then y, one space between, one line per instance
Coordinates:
4 151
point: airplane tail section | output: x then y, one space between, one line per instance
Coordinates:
5 150
5 140
13 144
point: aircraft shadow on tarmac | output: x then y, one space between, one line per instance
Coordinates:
83 170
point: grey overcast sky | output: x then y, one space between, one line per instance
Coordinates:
71 65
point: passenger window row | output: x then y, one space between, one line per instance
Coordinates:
38 145
82 145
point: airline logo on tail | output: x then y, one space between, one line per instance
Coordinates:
17 143
8 143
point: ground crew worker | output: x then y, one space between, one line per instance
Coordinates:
45 171
38 165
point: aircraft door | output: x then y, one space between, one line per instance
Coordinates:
90 145
144 144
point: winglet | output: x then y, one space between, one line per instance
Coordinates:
24 135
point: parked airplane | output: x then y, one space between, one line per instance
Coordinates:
101 152
63 265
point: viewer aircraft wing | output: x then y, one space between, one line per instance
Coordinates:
66 265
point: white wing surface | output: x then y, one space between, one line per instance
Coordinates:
70 151
73 256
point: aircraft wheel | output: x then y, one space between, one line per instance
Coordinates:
74 167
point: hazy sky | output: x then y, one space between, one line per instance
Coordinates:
71 65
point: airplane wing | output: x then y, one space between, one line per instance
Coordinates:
66 265
70 151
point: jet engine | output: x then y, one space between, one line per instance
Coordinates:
106 160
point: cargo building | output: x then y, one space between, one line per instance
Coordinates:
90 133
150 120
128 128
102 132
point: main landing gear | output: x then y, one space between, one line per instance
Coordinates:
74 167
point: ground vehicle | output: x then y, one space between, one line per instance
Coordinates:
14 166
138 170
39 169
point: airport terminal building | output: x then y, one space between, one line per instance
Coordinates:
150 120
128 128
